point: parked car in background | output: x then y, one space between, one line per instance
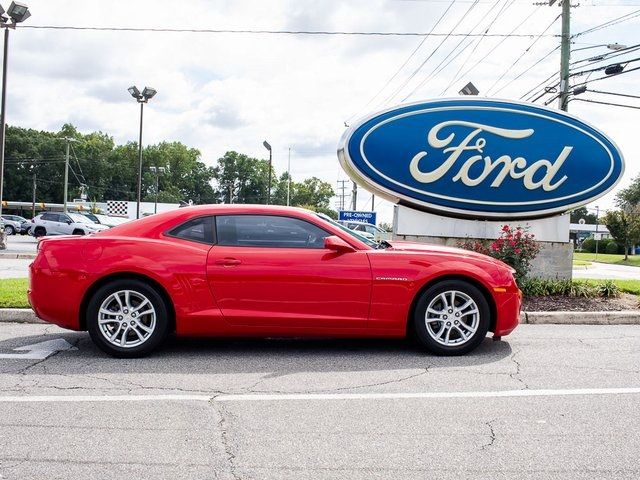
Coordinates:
261 270
15 224
367 230
106 219
53 223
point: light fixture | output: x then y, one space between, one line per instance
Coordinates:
614 69
469 89
135 93
616 46
18 12
579 90
266 145
149 92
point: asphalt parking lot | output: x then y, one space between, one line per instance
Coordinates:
547 402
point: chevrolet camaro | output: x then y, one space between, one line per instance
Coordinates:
252 270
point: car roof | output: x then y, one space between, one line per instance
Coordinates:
155 225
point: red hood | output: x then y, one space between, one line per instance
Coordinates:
425 247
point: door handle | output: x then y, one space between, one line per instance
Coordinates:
228 262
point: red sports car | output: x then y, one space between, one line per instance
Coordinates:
252 270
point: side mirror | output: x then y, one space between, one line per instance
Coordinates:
336 244
68 222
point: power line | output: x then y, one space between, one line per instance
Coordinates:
604 103
415 72
442 65
275 32
524 53
507 4
609 23
525 71
406 61
500 43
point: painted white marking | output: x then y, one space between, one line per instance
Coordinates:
321 396
39 351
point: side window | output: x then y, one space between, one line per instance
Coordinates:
196 230
50 217
64 218
268 231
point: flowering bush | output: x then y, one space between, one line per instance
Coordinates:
515 247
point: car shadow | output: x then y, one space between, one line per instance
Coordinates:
273 356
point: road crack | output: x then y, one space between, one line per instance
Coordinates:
516 375
224 436
492 435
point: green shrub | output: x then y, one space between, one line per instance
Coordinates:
608 289
537 287
612 248
588 245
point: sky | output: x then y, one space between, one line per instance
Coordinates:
221 92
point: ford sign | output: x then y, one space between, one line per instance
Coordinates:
481 158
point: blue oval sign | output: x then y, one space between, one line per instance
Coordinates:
481 158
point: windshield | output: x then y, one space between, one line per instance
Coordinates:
76 217
353 233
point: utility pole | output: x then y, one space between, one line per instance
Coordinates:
342 195
66 178
597 234
354 196
33 199
565 54
289 178
373 199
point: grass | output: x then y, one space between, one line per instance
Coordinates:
634 260
581 263
628 286
13 293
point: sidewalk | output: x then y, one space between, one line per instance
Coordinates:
607 271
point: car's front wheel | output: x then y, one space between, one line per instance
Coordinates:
451 318
127 318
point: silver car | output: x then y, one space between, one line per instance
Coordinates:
14 224
52 223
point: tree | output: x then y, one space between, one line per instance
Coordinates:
241 179
624 226
582 213
631 195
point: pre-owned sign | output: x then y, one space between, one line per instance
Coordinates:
481 158
369 217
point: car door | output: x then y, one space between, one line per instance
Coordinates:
65 225
49 221
273 271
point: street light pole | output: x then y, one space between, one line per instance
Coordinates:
268 147
18 12
139 163
66 179
596 235
289 178
141 97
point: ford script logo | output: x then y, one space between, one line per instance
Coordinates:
481 158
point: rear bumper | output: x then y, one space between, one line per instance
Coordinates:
55 296
507 312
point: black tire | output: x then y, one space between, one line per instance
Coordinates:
161 320
449 317
9 230
77 231
39 232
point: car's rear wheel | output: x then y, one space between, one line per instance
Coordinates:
77 231
451 318
39 232
8 229
127 318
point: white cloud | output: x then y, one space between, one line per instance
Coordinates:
231 92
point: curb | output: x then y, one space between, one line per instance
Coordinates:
18 315
23 256
625 317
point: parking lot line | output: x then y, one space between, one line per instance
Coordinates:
320 396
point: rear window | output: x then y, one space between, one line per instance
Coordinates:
196 230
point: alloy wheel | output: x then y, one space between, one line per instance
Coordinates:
452 318
126 318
